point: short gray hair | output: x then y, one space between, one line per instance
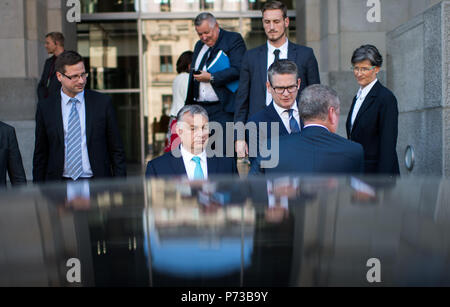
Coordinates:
205 16
282 67
193 109
367 52
315 101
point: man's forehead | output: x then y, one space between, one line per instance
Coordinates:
273 14
283 78
196 119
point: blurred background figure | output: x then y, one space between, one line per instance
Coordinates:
54 43
179 92
373 117
10 158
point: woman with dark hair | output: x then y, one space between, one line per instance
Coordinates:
179 92
373 117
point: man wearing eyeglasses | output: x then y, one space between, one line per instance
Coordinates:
283 84
77 136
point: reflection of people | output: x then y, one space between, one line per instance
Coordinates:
192 128
252 96
10 158
49 84
373 117
317 149
77 135
179 92
210 89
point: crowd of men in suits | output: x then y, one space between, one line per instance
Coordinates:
77 136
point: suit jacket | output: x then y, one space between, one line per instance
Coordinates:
54 86
234 47
10 158
168 165
376 129
315 150
105 148
251 95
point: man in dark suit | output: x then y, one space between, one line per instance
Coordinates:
191 157
49 84
316 149
283 85
10 158
76 130
252 96
212 90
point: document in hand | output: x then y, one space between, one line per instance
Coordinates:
221 62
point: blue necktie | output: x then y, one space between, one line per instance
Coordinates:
292 122
276 52
74 164
198 172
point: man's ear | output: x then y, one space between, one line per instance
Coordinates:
59 76
299 82
268 85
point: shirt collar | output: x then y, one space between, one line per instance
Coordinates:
315 125
366 90
65 99
280 110
188 155
283 48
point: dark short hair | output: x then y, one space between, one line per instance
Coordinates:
275 5
67 58
367 52
315 101
56 37
282 67
205 16
184 61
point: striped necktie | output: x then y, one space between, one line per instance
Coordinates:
198 172
74 164
293 122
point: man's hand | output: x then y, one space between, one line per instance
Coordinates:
241 148
204 76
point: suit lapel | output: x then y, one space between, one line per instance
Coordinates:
89 113
276 118
263 69
212 164
367 102
177 165
58 117
292 52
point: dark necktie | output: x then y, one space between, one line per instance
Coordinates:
292 122
276 52
200 67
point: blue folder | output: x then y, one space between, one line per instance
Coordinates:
221 62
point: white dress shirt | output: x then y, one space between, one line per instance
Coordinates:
360 97
270 58
206 91
179 92
284 114
190 165
81 108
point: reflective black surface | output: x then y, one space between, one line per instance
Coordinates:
286 231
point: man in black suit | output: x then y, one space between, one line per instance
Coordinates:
316 149
76 130
49 84
252 94
10 158
191 157
283 85
214 91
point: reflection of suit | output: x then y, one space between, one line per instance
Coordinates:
104 144
10 159
251 95
376 129
168 165
49 83
316 150
233 46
